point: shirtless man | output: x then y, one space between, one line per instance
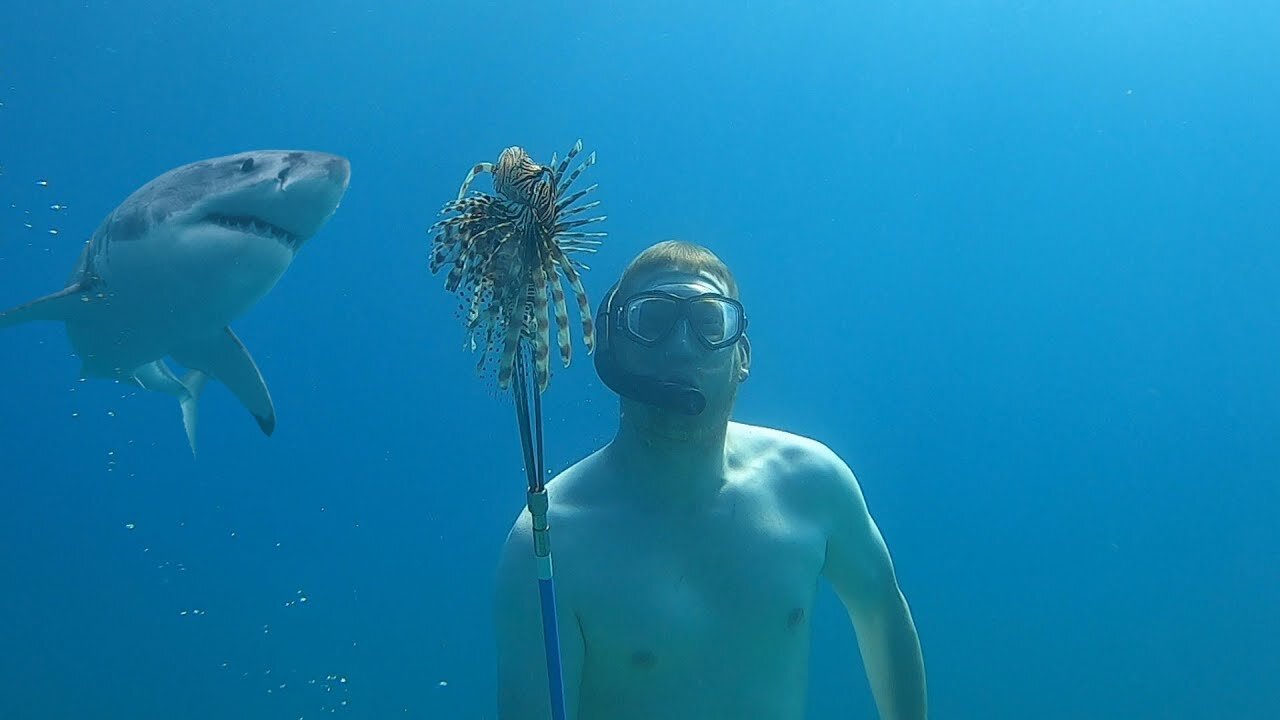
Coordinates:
688 550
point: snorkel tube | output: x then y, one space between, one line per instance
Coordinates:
666 394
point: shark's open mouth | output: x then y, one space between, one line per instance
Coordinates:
255 226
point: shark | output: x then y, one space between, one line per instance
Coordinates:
168 270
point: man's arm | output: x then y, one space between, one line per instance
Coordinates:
523 691
860 569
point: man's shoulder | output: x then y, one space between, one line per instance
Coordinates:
796 468
571 493
798 451
567 503
568 485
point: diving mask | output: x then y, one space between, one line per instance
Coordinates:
649 317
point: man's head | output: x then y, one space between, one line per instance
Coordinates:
675 331
678 256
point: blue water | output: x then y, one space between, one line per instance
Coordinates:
1016 262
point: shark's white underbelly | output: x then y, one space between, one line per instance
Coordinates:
156 293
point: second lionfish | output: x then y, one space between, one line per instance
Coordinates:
507 253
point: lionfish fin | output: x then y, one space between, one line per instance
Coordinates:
479 168
541 329
584 306
561 311
511 344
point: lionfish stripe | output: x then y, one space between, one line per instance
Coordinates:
542 331
562 312
479 168
576 210
445 244
507 362
591 160
474 261
493 228
454 278
579 223
584 307
479 296
571 199
579 242
568 158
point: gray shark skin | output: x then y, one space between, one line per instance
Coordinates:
167 271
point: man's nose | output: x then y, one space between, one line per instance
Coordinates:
681 341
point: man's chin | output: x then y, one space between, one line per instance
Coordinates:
677 426
684 379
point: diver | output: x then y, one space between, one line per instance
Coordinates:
688 549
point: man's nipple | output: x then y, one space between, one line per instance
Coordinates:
795 618
643 660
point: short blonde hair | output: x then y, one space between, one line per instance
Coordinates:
681 256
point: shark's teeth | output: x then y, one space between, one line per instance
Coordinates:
254 226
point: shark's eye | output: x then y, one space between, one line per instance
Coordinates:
247 165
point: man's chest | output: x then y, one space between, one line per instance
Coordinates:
667 584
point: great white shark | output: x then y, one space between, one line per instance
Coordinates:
167 271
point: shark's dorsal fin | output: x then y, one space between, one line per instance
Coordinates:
61 306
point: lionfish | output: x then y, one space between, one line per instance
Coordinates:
509 250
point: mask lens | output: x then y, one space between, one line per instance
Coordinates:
650 318
716 320
713 319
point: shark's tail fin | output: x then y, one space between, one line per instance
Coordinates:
194 382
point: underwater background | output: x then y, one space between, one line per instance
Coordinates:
1016 262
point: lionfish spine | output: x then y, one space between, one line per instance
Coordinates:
479 295
561 309
571 224
542 330
514 318
479 168
488 343
591 160
566 202
584 310
454 278
568 158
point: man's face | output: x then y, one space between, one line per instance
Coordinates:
681 351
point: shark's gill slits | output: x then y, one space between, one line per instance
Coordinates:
255 226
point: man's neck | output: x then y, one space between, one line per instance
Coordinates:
671 458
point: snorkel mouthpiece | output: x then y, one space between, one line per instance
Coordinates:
675 396
668 395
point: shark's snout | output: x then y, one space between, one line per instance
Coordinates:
286 195
339 169
315 165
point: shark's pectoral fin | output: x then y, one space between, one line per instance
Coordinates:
225 358
61 305
157 377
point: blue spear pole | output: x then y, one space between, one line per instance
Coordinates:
538 504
